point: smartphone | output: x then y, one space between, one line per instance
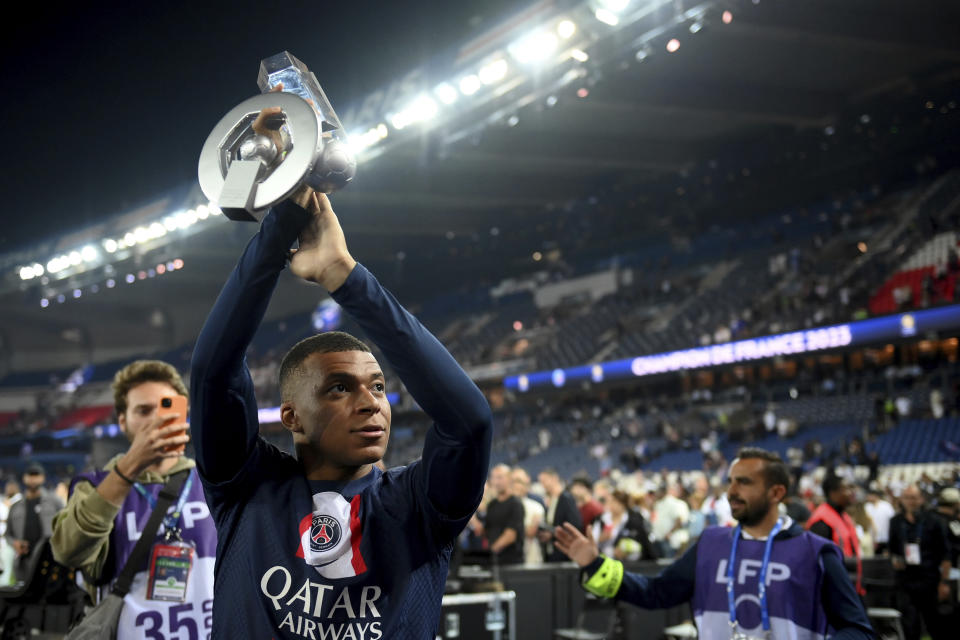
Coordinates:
177 405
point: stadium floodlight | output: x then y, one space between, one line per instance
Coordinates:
37 269
493 71
579 55
566 29
203 211
89 253
470 84
53 265
607 17
110 245
673 45
185 218
44 303
446 93
616 6
400 120
75 258
170 223
26 273
129 239
214 209
361 141
535 47
157 230
422 108
141 235
696 27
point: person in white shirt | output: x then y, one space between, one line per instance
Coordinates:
533 513
670 518
881 512
717 507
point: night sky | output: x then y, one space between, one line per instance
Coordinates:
106 108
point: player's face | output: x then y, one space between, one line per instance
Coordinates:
341 406
750 499
142 403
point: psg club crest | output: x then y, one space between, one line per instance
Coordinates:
324 533
330 536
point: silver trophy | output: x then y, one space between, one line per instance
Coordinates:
245 173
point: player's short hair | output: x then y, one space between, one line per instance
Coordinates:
831 483
329 342
774 470
140 371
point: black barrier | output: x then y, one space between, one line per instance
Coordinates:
549 597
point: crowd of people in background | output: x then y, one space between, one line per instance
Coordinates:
649 516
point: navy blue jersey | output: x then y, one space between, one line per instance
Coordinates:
307 559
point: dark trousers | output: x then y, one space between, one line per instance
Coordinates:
919 601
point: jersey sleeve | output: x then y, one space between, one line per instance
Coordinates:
223 415
456 450
673 586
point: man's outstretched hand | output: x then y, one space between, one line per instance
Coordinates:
575 545
323 256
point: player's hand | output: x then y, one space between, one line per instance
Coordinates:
263 125
323 256
150 446
575 545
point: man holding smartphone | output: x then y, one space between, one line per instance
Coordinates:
109 508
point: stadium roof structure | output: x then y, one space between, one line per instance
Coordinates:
747 87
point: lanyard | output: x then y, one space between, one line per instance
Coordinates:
171 520
764 611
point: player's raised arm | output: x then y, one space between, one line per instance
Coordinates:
457 449
224 408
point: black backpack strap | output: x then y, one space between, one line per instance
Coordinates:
168 493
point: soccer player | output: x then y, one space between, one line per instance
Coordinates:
325 544
765 578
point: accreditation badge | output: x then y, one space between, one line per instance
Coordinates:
911 553
170 564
